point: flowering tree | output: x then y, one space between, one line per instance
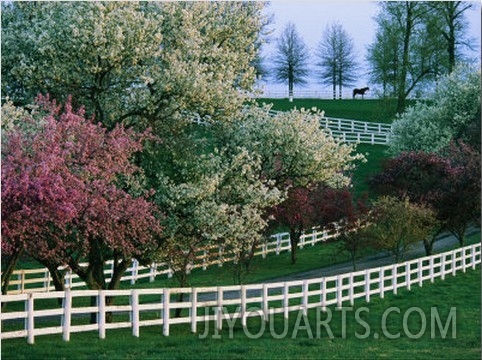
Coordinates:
295 155
351 217
453 114
298 213
71 195
293 149
140 63
220 202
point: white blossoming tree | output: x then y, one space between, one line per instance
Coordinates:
452 114
220 204
138 63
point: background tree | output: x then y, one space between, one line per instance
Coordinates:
396 225
459 202
406 53
336 58
71 195
291 59
448 19
420 177
384 55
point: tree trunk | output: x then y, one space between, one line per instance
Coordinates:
428 245
294 240
7 274
405 59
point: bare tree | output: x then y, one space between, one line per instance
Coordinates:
291 59
336 58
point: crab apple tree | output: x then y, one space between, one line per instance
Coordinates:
71 196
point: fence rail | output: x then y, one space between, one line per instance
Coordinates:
153 307
40 280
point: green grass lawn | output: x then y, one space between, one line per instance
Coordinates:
374 110
306 337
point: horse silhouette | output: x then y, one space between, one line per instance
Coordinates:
361 91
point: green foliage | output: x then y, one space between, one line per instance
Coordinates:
396 225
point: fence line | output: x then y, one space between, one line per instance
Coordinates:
354 131
153 307
40 280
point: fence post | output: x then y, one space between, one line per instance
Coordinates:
442 267
408 276
243 305
165 311
323 294
204 259
101 312
472 251
264 249
286 300
454 262
381 285
67 305
152 275
305 297
420 272
134 270
22 281
464 258
367 285
394 279
351 290
221 260
47 280
265 302
219 310
194 310
135 312
431 266
169 271
339 291
278 243
30 319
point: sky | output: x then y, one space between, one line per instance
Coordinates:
357 17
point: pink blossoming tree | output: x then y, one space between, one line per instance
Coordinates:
71 196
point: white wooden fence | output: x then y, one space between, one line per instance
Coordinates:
40 280
34 314
355 131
